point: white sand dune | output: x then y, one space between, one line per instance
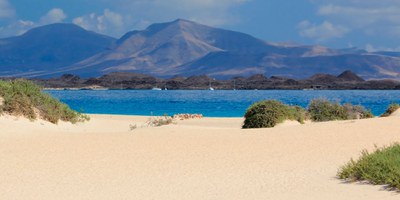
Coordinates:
210 158
396 113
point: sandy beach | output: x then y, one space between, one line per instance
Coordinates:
210 158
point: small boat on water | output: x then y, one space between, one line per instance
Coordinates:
210 88
156 88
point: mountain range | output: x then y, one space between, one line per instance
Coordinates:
179 48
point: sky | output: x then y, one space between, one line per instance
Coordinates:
373 25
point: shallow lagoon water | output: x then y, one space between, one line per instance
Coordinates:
217 103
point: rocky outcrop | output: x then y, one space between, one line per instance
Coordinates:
323 79
350 76
119 80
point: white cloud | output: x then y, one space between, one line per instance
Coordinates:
16 28
54 15
211 12
372 48
321 32
108 22
6 10
126 15
357 21
362 16
19 27
371 17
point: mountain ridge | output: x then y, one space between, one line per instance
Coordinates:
51 46
186 48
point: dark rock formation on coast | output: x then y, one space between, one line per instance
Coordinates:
119 80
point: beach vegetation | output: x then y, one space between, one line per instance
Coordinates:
24 98
357 112
381 167
391 109
297 113
321 110
269 113
159 121
132 127
186 116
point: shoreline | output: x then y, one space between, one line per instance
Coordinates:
116 80
206 89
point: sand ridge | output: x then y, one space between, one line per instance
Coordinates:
210 158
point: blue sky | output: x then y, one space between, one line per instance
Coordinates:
368 24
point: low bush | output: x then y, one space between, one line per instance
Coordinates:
267 114
159 121
297 113
321 110
380 167
391 109
357 112
23 97
187 116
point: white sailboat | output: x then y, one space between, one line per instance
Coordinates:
210 88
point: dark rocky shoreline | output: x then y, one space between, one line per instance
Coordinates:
121 80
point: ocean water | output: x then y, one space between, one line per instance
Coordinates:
217 103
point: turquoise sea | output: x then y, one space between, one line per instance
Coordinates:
217 103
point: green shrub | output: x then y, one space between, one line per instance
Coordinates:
297 113
23 97
391 109
357 112
321 110
267 114
380 167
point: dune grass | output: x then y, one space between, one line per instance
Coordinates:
381 167
24 98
